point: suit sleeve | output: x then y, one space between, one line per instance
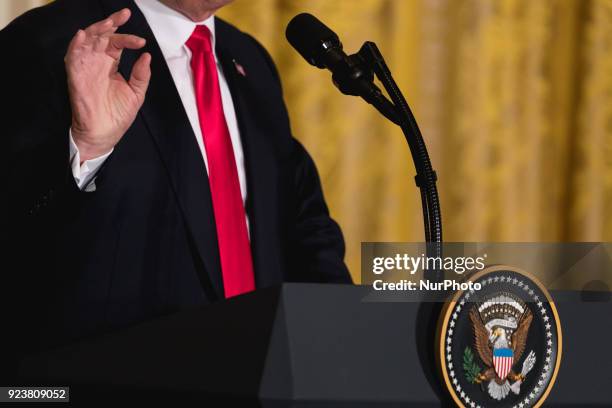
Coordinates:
35 123
319 244
35 178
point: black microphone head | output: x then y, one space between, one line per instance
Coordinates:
311 38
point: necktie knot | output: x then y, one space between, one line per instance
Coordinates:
200 40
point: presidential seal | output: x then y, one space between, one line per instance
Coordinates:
500 346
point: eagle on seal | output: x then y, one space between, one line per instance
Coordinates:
500 342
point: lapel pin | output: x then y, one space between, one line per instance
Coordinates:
239 68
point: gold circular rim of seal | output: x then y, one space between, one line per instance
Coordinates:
450 306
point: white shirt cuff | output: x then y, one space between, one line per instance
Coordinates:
84 173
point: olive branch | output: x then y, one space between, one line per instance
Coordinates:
472 370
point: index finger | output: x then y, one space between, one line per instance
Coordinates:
109 24
120 17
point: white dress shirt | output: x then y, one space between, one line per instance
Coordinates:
172 30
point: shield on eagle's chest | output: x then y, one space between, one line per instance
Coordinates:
502 360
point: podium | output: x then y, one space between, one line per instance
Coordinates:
302 345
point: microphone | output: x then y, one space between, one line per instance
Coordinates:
321 47
316 42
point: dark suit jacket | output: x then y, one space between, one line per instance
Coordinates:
144 243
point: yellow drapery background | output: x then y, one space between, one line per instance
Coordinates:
514 98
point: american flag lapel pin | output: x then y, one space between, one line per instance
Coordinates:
239 68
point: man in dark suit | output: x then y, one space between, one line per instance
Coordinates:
149 167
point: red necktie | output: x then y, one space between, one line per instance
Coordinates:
234 247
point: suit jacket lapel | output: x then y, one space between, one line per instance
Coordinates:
168 124
260 163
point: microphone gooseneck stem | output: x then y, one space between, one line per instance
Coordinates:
426 176
354 75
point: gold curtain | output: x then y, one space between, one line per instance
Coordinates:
9 9
514 98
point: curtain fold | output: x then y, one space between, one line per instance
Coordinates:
514 99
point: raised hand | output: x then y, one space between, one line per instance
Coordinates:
104 105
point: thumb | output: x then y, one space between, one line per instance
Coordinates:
141 75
